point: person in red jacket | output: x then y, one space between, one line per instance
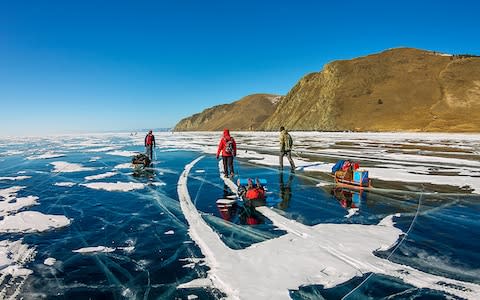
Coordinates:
228 148
149 144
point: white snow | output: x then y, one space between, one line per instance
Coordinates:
7 207
388 221
15 177
65 184
32 221
97 249
123 153
11 152
46 155
326 254
16 271
67 167
101 176
128 249
115 186
170 232
49 261
10 193
13 256
123 166
103 149
10 203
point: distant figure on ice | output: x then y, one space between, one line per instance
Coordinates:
286 144
228 148
149 144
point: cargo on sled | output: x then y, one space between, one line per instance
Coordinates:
250 192
348 174
141 161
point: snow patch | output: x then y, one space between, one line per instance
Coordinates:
123 153
101 176
65 184
49 261
66 167
13 255
115 186
97 249
388 220
32 221
103 149
123 166
15 177
46 155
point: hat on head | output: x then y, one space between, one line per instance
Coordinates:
282 128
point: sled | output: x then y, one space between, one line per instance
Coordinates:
141 161
354 180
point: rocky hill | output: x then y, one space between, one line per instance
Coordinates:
400 89
247 113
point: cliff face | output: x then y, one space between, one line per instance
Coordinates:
247 113
397 90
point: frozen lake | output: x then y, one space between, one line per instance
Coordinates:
75 222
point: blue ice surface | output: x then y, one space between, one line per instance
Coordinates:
442 240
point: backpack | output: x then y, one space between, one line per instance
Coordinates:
338 166
229 146
288 141
149 139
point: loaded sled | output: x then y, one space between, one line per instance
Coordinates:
347 174
141 161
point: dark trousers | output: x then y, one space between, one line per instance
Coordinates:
288 154
149 151
227 164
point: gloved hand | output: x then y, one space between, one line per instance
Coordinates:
217 156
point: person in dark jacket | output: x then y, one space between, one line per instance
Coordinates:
286 144
149 144
228 148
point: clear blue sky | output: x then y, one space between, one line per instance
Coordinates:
107 65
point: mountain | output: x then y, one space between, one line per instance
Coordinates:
399 89
247 113
402 89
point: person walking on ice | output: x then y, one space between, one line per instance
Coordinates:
286 145
149 144
228 148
